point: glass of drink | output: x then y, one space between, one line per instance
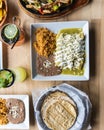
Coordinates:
12 34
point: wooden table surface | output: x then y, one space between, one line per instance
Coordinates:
20 56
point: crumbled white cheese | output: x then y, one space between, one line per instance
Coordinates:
47 64
14 111
70 51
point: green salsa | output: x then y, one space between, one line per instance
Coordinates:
6 78
69 31
73 72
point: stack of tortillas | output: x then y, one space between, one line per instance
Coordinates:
58 111
63 108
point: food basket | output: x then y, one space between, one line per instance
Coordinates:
80 98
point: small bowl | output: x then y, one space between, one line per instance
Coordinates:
6 8
19 39
4 83
3 36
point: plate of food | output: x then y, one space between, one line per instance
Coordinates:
60 51
1 56
14 112
49 9
3 11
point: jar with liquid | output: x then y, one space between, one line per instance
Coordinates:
12 34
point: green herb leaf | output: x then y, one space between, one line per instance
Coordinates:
55 7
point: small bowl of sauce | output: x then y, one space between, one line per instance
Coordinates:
6 78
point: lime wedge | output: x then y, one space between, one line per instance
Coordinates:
10 31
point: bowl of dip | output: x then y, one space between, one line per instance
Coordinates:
6 78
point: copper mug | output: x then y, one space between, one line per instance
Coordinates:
19 39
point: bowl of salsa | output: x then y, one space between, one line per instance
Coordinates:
6 78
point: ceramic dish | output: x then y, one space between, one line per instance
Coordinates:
1 56
25 124
76 4
55 27
80 98
5 81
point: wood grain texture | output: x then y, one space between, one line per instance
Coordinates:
20 56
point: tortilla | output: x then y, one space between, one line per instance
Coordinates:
59 111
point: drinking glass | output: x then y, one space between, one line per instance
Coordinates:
12 33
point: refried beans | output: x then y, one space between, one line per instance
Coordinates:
16 110
46 66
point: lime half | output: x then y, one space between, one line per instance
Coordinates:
10 31
20 74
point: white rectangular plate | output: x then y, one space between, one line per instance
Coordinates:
25 124
1 56
55 27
